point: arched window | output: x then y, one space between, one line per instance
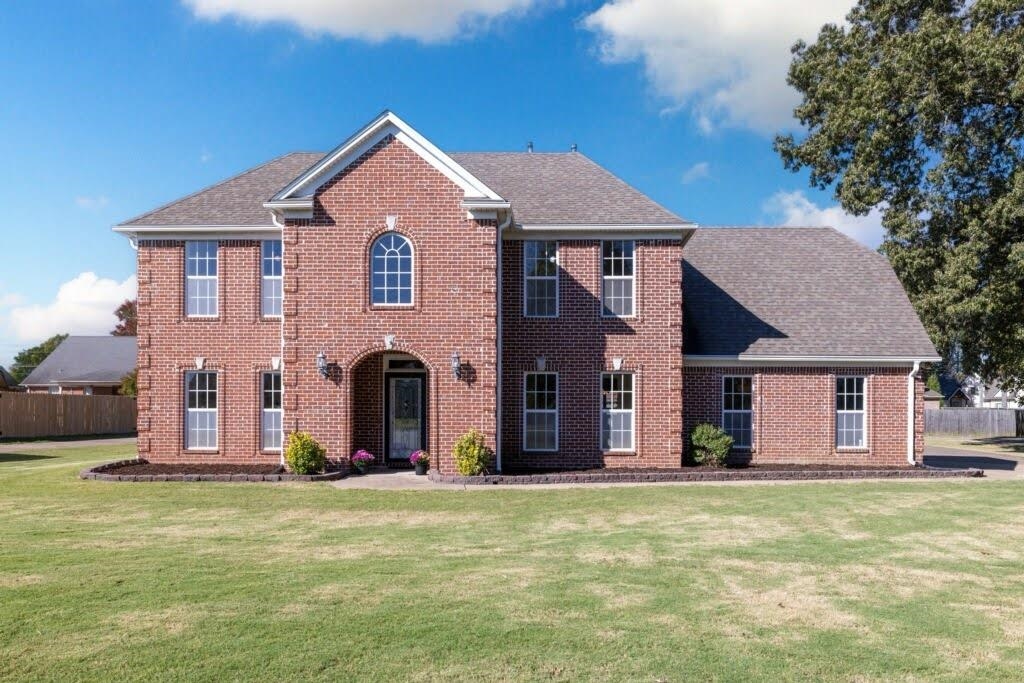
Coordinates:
391 270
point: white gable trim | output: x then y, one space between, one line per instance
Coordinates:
387 123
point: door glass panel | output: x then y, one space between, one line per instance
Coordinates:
406 416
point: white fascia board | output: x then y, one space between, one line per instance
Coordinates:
198 232
387 123
600 232
781 361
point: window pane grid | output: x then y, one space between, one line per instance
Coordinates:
618 281
617 419
201 410
540 272
737 410
272 415
850 412
201 279
272 278
540 411
391 270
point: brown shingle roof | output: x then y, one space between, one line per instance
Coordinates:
794 292
564 188
237 201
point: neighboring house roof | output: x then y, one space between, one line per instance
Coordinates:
544 189
795 292
932 395
7 380
237 201
564 188
86 360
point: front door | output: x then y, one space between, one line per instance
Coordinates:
406 416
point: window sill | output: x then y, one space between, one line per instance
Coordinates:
205 318
393 307
852 449
619 453
203 451
271 318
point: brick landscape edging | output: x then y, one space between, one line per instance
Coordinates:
677 475
100 473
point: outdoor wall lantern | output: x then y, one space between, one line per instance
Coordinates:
456 365
321 364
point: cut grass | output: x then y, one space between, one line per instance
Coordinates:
851 581
999 445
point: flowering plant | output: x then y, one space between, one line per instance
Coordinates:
418 457
362 458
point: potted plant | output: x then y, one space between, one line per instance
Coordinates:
421 459
361 460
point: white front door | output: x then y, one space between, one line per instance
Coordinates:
405 418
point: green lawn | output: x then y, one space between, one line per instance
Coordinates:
999 445
850 581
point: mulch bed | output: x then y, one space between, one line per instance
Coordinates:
140 470
769 467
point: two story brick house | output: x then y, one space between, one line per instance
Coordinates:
390 296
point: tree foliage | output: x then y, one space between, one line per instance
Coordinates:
130 384
126 319
25 361
917 106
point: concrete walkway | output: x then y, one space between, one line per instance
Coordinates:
18 446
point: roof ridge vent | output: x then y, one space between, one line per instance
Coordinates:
573 147
529 147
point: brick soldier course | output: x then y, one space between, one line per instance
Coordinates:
794 310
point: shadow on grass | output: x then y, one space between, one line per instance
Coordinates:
64 439
17 457
963 462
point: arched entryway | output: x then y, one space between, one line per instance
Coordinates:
390 399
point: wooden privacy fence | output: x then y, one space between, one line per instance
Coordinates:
41 415
974 421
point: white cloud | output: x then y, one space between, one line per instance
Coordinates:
698 171
726 61
92 203
83 305
794 208
205 156
10 299
371 20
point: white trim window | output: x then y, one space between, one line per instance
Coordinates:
618 278
540 279
617 411
271 419
851 423
271 290
738 410
54 389
201 279
391 270
201 410
540 411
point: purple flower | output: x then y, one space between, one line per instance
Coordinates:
362 457
419 456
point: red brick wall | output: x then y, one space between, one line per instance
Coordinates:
579 344
794 412
238 345
327 304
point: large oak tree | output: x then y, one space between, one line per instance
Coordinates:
917 107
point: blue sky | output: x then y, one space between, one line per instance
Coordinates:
121 106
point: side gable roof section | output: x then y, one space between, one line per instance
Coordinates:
296 198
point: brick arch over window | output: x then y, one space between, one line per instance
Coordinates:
392 266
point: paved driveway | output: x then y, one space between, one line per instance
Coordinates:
996 466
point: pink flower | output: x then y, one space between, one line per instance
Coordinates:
362 457
419 456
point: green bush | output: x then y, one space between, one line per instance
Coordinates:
304 454
711 445
471 454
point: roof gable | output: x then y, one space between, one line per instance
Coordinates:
386 124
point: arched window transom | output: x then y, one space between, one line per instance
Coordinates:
391 270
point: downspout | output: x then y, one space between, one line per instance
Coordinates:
280 368
911 413
498 332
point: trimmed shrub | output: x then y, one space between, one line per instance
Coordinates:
304 454
711 445
471 454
